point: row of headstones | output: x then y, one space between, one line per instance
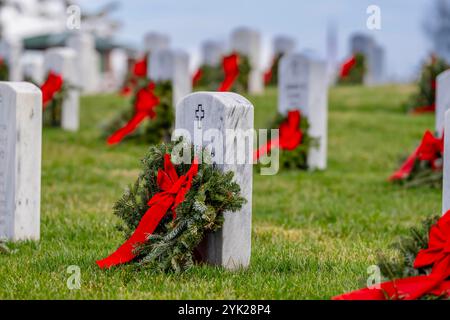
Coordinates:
32 64
303 85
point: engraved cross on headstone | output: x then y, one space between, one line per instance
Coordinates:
199 115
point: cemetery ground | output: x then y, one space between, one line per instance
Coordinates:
314 233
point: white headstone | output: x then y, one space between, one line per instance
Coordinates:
119 66
302 85
11 51
156 41
442 100
248 42
364 44
283 45
32 63
230 115
87 61
446 180
63 61
20 160
212 52
378 64
171 65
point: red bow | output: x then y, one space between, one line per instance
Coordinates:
230 65
51 86
140 68
197 77
347 66
436 255
174 189
290 136
144 104
430 149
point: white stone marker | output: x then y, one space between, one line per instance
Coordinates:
302 83
442 100
248 42
171 65
11 51
32 64
20 160
156 41
446 180
283 45
63 61
212 53
87 64
364 44
197 113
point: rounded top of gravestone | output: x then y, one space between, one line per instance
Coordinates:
19 87
443 75
64 51
228 99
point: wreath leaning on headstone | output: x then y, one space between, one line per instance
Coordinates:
150 118
293 142
419 270
171 208
424 100
54 91
353 70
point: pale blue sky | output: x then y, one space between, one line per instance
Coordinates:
189 22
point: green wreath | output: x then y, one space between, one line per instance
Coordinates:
4 71
156 130
171 248
53 112
357 72
421 175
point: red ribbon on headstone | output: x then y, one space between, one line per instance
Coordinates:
436 255
51 86
290 136
144 104
347 66
197 77
430 149
174 189
230 65
140 68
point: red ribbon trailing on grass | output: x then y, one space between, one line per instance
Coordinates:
51 86
230 65
290 136
429 149
174 189
144 104
197 77
347 66
436 255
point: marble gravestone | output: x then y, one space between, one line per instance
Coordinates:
230 115
442 100
87 63
63 61
248 42
446 179
119 66
283 45
32 64
156 41
11 51
20 160
171 65
302 85
212 53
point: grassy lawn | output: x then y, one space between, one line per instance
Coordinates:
314 233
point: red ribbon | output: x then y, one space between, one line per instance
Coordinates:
51 86
430 149
197 77
436 255
174 189
230 65
140 68
269 73
144 104
347 66
290 136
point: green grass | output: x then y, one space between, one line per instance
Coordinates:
314 233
